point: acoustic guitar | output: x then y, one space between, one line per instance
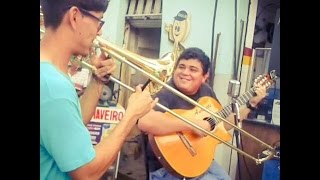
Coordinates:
185 154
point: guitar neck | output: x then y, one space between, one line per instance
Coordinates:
265 81
228 109
240 100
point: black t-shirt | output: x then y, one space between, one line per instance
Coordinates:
172 101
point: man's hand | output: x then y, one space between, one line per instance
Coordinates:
140 102
203 124
105 66
261 93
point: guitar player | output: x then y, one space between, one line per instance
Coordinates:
189 78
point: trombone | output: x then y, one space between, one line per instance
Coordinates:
135 60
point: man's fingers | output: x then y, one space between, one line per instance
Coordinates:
138 88
154 102
103 55
111 70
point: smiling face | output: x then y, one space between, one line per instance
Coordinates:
188 76
179 30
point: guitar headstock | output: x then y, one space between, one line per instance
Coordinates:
265 80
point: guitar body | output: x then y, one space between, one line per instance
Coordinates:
175 156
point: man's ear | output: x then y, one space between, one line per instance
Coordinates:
205 77
73 14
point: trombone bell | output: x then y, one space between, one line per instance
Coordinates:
160 68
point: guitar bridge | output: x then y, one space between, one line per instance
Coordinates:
187 144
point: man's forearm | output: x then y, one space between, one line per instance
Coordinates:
161 124
89 100
107 150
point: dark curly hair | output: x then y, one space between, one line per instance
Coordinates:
196 53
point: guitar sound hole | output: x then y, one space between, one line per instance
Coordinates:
211 121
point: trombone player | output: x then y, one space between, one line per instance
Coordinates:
66 151
189 78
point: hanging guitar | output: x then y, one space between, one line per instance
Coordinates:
192 155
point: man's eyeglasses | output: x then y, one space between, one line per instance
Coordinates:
87 13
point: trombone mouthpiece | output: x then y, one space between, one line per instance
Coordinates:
95 43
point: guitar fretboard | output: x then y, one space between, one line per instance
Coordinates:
228 109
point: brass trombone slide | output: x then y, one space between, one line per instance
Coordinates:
123 55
